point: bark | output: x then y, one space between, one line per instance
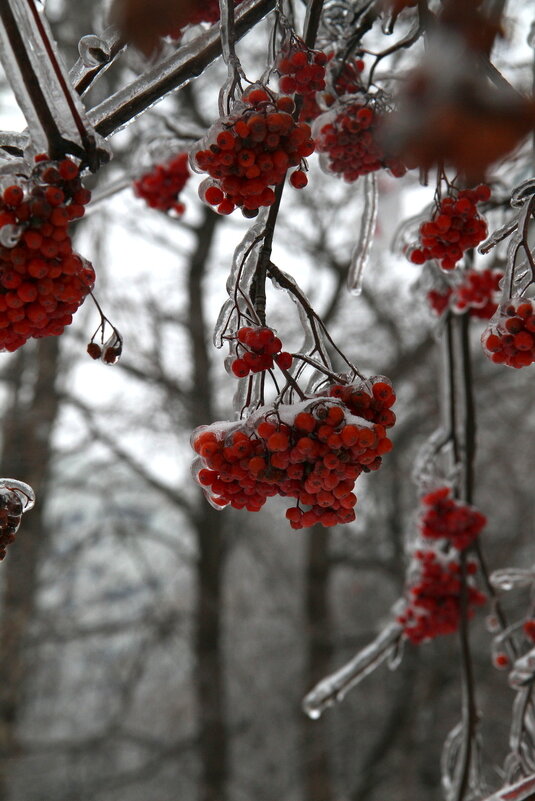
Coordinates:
317 780
26 455
209 672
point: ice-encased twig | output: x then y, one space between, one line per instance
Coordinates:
227 32
360 254
56 118
335 687
523 790
239 281
171 73
97 54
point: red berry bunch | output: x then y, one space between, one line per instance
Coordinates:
302 71
374 406
439 301
344 80
433 606
477 294
249 152
443 517
455 227
313 451
42 281
529 629
510 337
348 140
258 349
161 187
10 517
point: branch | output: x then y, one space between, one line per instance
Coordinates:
176 498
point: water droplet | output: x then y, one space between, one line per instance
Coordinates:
10 235
93 50
492 624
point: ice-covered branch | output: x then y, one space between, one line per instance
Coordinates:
56 118
172 73
335 687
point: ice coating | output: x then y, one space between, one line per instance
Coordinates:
521 790
510 578
510 336
335 687
22 490
361 251
169 74
239 281
34 69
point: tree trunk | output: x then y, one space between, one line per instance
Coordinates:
26 456
317 782
209 671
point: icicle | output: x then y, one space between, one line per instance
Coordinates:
56 117
240 280
450 760
511 577
361 251
523 672
335 687
498 236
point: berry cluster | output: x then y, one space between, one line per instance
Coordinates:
443 517
249 152
161 187
344 80
10 517
510 337
348 140
42 281
257 349
477 294
455 227
302 71
313 451
529 629
192 13
375 407
433 607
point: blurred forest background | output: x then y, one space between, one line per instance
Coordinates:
152 648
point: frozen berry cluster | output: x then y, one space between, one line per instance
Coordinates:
456 227
510 337
347 138
42 281
10 517
529 629
313 452
302 71
160 188
477 293
374 406
258 349
248 153
433 605
342 79
444 517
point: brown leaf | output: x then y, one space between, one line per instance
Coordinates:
143 22
469 125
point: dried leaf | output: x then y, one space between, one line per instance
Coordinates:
468 125
143 22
